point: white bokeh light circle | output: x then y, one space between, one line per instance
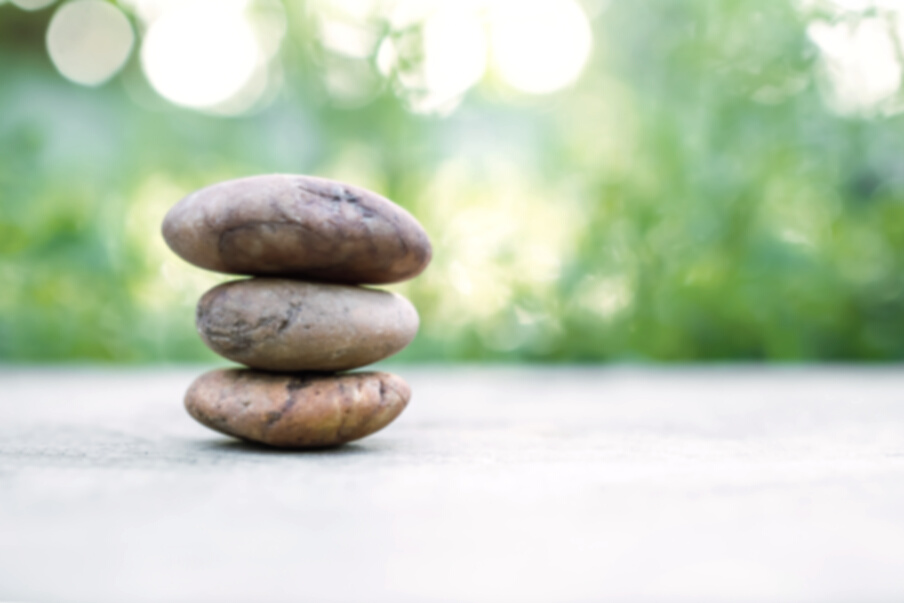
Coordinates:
540 46
202 54
455 51
860 67
434 70
89 41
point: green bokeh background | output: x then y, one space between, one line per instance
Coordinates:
692 197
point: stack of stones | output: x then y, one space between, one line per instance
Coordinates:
308 243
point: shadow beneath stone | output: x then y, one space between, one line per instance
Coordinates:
246 448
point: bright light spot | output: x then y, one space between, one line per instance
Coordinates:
268 17
348 39
838 8
795 237
410 13
860 63
89 41
455 53
435 69
605 297
354 10
149 10
460 279
387 57
203 54
500 238
540 46
32 4
349 31
436 50
526 317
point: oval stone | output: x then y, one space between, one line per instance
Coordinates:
296 411
286 325
297 226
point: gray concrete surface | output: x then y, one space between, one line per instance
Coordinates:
505 485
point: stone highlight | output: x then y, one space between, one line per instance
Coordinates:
296 411
287 325
299 226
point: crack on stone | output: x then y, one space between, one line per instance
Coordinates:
344 195
299 382
238 335
295 308
292 387
346 408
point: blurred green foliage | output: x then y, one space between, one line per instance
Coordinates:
691 197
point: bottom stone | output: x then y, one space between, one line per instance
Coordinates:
296 410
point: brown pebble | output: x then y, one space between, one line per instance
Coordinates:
285 325
296 411
297 226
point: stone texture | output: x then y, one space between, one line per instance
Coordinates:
296 411
286 325
297 226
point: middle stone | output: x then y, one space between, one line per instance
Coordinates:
288 325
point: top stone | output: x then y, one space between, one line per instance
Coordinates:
298 226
